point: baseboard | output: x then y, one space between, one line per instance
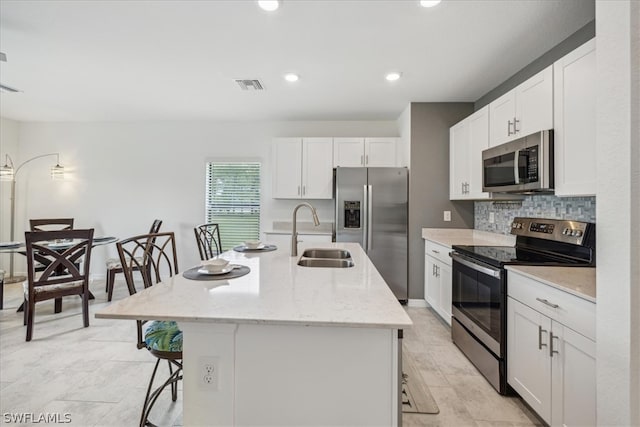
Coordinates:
417 303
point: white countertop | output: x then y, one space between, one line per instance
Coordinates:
579 281
464 236
276 291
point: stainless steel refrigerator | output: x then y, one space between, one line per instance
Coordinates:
372 209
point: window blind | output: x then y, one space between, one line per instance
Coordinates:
233 201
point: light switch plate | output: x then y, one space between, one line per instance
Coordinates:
447 215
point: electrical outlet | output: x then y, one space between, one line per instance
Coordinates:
447 215
492 217
208 371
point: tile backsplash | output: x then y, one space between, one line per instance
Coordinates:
547 206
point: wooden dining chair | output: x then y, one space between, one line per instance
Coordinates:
208 240
66 271
114 266
51 224
154 256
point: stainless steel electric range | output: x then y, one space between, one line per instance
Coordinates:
479 323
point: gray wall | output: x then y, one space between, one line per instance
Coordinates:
576 39
429 181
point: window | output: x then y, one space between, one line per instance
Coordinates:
233 201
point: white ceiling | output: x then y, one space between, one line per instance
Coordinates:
176 60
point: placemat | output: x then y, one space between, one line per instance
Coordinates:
193 274
266 248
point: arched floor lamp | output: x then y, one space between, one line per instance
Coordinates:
9 173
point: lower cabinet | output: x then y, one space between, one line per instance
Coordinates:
550 365
437 279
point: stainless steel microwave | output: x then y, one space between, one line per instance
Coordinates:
524 165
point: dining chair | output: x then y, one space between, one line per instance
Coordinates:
51 224
154 256
66 271
208 240
114 266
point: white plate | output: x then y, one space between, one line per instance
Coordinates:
59 245
260 246
215 273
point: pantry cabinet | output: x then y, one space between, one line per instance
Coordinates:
526 109
575 122
364 152
302 168
551 357
438 279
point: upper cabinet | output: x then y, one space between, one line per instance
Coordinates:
524 110
302 168
467 139
574 103
364 152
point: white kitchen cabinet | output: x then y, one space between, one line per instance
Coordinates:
574 106
551 365
438 279
467 140
364 152
302 168
526 109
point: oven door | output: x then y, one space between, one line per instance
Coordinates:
479 301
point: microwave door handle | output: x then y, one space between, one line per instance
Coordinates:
516 169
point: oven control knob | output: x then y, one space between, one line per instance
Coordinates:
578 233
566 231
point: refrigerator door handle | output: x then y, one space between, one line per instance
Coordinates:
365 216
369 217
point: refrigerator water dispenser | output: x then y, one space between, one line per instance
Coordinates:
351 214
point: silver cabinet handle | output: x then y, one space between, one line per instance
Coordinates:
433 270
540 343
362 160
304 190
551 350
545 302
298 190
462 188
434 251
515 123
366 159
437 271
509 128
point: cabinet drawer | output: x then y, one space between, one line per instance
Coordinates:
572 311
438 251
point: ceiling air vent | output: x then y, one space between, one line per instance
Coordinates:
246 84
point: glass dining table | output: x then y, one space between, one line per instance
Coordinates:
20 248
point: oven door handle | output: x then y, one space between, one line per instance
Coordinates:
491 271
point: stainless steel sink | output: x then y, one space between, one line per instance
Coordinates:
326 262
326 253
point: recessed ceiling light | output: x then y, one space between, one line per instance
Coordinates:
291 77
429 3
392 77
269 5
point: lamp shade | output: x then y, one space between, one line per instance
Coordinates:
6 173
57 172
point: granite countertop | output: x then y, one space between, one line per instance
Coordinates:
461 236
303 227
579 281
276 291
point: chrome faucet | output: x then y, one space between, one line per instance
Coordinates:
294 232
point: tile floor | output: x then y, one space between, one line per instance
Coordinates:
98 377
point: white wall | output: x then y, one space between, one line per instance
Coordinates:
123 175
618 212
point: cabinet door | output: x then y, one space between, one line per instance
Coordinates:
445 278
528 362
287 168
573 380
348 152
478 124
574 110
317 168
501 114
380 152
458 160
431 283
534 104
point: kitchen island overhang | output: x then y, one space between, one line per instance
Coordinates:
291 345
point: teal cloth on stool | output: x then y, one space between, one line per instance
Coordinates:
162 335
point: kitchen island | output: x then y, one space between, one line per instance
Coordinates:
291 345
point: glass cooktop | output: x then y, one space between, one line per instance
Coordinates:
499 256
